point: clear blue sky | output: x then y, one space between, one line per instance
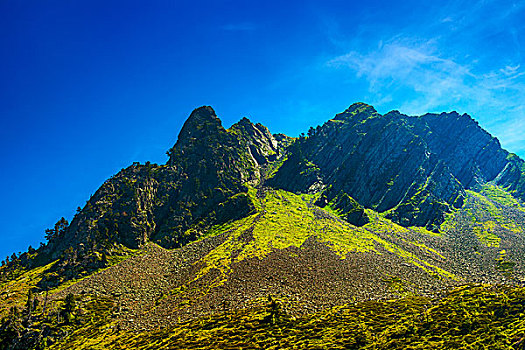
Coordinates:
87 87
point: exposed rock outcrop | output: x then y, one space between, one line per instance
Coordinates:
413 168
203 183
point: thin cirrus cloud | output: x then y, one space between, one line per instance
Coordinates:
428 81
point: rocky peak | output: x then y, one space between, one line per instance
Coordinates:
244 121
259 145
255 134
394 114
380 162
414 168
247 128
208 165
411 168
201 119
201 125
204 115
444 121
359 109
256 130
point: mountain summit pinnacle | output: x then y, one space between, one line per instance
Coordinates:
201 122
358 109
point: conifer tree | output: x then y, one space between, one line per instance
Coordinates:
69 307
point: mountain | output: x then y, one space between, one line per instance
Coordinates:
284 233
413 168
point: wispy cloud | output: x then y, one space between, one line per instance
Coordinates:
426 80
399 66
455 55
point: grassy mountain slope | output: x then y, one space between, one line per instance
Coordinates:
473 317
305 256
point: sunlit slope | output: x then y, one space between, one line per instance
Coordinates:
477 317
288 248
291 249
285 220
486 237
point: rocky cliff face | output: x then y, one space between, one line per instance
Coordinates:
203 183
512 176
472 155
412 168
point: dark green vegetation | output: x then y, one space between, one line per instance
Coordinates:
471 317
363 209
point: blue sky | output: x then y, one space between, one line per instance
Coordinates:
88 87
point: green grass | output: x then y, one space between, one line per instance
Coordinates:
14 293
485 234
283 220
486 216
471 317
287 220
484 207
379 224
499 195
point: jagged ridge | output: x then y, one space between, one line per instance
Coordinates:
413 168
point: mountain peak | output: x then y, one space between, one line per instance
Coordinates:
360 107
266 213
202 117
245 121
201 123
357 109
203 111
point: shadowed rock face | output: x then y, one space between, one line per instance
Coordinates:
471 154
207 167
414 168
513 176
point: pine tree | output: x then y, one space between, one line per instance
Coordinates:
69 307
29 303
